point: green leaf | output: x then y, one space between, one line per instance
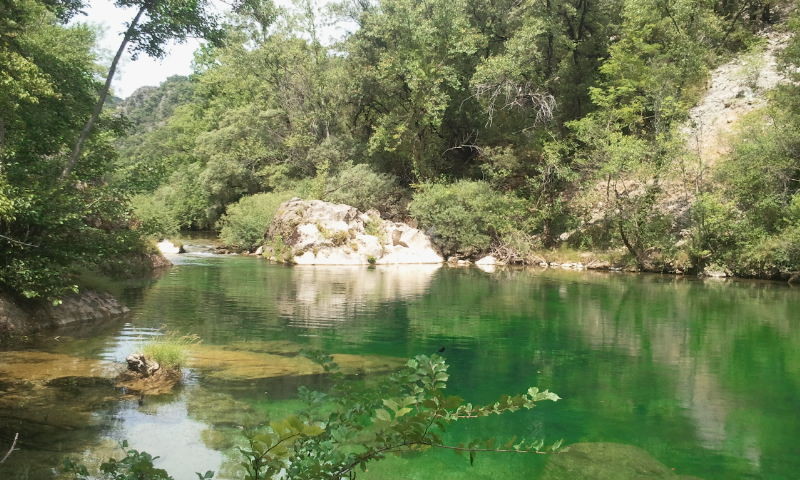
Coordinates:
393 406
402 412
383 415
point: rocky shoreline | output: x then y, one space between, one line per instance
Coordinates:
323 233
21 317
88 306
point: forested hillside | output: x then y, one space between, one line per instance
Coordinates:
508 126
60 213
500 126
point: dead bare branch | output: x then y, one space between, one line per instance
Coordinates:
508 95
13 445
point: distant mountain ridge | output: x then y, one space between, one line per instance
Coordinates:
148 107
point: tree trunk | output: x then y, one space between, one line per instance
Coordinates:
630 247
2 138
98 107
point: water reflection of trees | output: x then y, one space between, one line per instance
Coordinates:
667 362
703 374
244 297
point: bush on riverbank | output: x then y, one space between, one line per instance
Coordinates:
244 223
467 217
362 187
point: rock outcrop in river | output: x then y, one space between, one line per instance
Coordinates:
321 233
87 306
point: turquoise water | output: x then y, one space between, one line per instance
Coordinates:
702 376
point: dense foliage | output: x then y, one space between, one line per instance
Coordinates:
59 214
495 125
467 216
752 224
243 224
508 125
49 227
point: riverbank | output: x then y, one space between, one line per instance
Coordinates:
90 305
22 318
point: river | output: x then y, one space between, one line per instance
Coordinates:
702 376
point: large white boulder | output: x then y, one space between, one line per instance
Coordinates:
321 233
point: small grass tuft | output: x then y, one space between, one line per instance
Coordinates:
170 350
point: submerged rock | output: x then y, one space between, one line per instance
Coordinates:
221 410
33 366
56 403
145 376
607 461
281 347
321 233
222 363
160 382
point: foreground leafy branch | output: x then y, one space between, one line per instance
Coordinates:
414 418
408 411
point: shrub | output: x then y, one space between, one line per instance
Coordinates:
279 251
752 64
245 222
180 203
155 218
717 230
467 216
374 227
135 465
517 247
363 188
188 198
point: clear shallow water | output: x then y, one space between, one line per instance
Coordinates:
703 376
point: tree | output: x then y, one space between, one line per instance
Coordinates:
630 139
412 61
155 22
47 228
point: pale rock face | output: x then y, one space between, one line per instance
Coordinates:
488 263
322 233
487 260
715 273
85 307
487 268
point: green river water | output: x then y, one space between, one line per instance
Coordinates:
701 377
